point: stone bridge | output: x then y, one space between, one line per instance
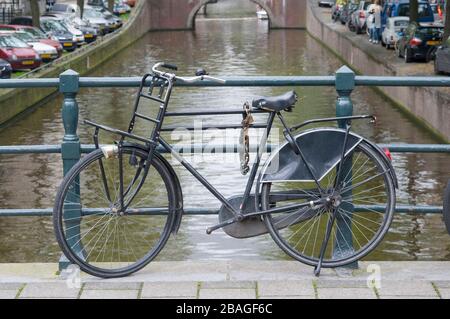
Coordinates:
180 14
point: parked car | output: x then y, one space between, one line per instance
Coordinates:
401 9
66 8
77 34
52 25
347 10
116 21
74 25
19 54
45 51
5 69
97 20
37 34
90 33
442 58
419 41
391 33
120 7
64 37
359 16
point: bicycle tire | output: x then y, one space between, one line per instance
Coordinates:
165 224
339 259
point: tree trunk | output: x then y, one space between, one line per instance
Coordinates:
447 20
111 5
413 10
35 13
80 3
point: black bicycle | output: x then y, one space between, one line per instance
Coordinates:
326 195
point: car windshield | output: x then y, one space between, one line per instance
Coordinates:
92 14
403 10
53 25
24 36
35 33
11 41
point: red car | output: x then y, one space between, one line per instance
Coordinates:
19 54
36 33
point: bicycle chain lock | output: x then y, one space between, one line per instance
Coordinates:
244 139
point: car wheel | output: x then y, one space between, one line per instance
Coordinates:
407 57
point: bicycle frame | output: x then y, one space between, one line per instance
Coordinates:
156 140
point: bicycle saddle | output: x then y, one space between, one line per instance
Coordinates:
276 103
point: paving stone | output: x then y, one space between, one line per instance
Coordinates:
169 289
346 293
442 283
112 285
228 284
406 288
287 297
409 297
8 294
444 292
49 290
336 283
227 294
109 294
10 285
283 288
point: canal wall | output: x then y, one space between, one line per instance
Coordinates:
16 101
431 106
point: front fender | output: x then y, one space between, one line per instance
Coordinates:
322 148
178 192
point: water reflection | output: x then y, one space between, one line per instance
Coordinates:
238 47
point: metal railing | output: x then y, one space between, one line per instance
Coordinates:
344 81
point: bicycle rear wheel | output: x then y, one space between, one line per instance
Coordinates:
89 226
364 208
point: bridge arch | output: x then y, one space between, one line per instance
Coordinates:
201 3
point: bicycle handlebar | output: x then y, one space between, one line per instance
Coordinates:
184 79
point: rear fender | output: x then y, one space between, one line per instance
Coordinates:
322 148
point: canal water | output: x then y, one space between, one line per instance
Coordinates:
223 47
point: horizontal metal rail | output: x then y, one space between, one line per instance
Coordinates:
36 212
249 81
216 148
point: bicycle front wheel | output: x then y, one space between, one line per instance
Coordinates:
90 227
364 207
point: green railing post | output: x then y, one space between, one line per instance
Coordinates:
71 153
345 83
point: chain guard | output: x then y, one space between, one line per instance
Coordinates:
249 227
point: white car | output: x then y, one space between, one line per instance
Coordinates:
45 51
394 25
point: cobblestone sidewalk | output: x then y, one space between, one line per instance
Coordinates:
234 280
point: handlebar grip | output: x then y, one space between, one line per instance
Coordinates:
169 66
